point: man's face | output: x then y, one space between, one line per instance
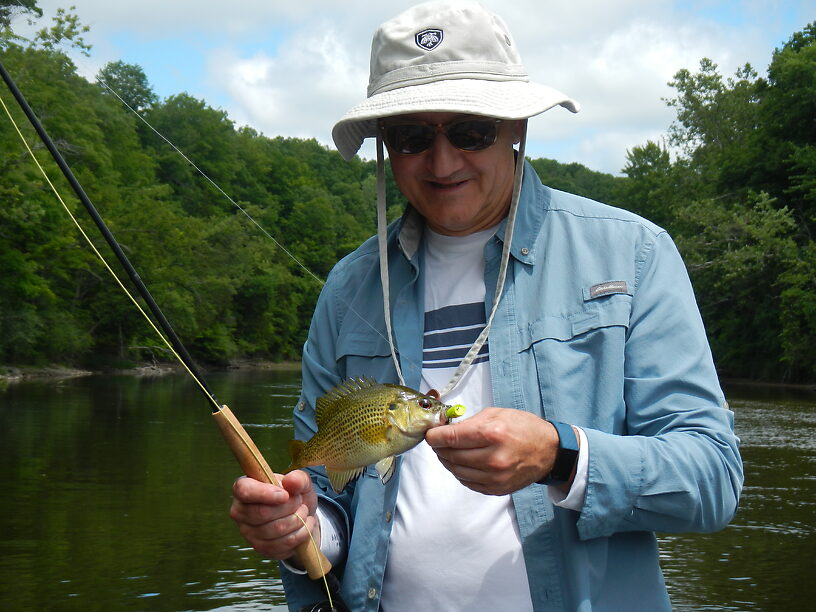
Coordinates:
458 192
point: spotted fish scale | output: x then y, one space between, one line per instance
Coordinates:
361 422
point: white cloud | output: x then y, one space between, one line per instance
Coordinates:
293 68
297 92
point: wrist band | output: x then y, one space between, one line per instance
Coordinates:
566 458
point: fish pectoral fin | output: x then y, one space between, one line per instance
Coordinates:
385 468
340 479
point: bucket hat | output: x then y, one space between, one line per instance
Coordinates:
444 57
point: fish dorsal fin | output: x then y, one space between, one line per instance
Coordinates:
339 480
337 397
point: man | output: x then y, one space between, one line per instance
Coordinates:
591 322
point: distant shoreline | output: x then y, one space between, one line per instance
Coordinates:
13 374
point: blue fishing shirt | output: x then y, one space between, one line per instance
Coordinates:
597 327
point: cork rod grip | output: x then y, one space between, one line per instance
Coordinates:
255 466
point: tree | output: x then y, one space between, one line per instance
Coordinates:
798 315
208 138
11 8
578 179
38 248
740 193
129 84
66 28
716 126
650 191
788 115
735 256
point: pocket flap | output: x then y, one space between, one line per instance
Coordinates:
362 343
613 311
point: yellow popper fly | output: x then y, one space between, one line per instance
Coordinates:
361 422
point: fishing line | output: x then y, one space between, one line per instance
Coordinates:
212 182
263 230
188 367
277 243
102 258
242 445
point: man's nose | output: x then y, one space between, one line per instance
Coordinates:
442 157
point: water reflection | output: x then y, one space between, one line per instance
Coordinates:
116 491
758 562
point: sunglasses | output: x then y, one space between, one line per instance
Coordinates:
416 137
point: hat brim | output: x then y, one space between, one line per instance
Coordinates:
504 99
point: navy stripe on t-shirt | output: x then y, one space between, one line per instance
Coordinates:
449 334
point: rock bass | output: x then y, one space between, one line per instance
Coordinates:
362 422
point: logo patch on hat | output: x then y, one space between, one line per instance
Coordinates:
428 39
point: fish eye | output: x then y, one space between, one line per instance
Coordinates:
425 403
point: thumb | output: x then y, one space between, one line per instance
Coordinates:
297 482
441 437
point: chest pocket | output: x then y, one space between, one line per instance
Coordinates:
579 361
364 353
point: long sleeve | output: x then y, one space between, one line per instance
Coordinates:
677 468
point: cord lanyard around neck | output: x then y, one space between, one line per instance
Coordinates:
467 360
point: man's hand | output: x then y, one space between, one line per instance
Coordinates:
267 515
497 451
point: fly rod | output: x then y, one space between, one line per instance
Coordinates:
243 448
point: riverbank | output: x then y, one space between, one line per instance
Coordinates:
13 374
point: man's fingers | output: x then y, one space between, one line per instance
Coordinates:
280 538
458 435
251 491
284 525
464 473
275 520
296 481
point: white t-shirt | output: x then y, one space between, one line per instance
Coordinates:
460 547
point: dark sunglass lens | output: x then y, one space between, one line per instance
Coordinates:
409 138
472 135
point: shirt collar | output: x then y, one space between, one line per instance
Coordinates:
533 205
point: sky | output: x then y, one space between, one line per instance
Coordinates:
293 68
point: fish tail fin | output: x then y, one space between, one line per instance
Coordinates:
295 452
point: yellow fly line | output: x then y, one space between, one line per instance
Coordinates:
227 422
99 255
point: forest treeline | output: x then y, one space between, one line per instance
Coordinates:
733 180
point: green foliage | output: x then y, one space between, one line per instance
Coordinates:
227 284
788 126
733 180
128 83
648 189
577 178
740 200
66 28
735 255
798 315
11 8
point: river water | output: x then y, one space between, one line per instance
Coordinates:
115 493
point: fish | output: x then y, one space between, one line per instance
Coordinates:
361 422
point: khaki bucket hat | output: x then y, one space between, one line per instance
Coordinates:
444 57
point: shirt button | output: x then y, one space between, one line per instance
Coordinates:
372 593
388 517
301 405
525 251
